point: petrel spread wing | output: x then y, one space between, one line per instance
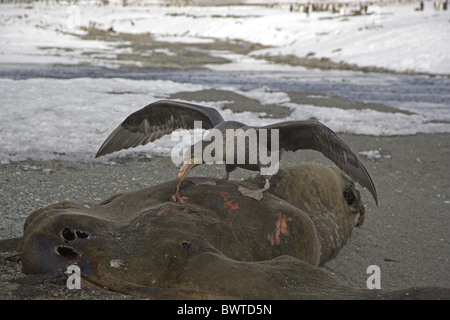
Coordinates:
295 135
156 120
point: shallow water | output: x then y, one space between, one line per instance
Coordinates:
426 95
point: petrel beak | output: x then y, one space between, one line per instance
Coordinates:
184 170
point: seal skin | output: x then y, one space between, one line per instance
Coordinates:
218 245
309 190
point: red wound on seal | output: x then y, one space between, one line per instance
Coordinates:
281 228
231 205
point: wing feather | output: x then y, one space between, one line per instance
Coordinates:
156 120
295 135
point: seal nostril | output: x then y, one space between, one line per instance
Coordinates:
67 234
68 253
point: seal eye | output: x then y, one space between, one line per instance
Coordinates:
349 193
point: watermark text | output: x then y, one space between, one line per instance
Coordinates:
249 146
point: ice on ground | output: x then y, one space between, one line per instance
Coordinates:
44 119
403 40
69 119
373 154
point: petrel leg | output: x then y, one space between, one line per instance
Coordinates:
176 197
185 168
255 194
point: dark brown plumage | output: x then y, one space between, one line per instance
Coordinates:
296 135
156 120
163 117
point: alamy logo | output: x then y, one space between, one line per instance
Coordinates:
234 146
374 280
74 279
